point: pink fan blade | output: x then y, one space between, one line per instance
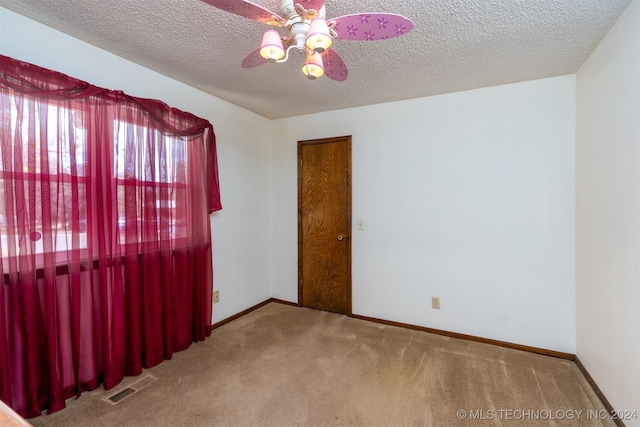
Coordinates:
334 66
311 4
248 10
254 59
371 26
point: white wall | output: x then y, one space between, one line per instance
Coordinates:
608 213
466 196
241 231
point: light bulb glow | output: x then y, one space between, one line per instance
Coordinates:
271 48
318 38
313 66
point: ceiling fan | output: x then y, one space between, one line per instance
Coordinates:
310 33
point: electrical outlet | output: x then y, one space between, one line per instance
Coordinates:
216 296
435 302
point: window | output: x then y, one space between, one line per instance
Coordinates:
161 166
43 160
104 231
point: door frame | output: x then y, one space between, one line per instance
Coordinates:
301 144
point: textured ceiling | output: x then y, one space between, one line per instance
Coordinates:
455 45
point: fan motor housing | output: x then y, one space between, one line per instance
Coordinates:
289 13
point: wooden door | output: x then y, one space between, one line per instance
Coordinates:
324 224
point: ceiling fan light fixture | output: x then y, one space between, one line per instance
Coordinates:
313 66
318 37
310 33
271 48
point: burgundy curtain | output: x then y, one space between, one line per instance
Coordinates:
104 235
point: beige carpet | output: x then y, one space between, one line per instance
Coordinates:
289 366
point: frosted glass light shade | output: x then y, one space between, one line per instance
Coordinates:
318 38
313 67
271 48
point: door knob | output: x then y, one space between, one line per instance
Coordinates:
341 236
